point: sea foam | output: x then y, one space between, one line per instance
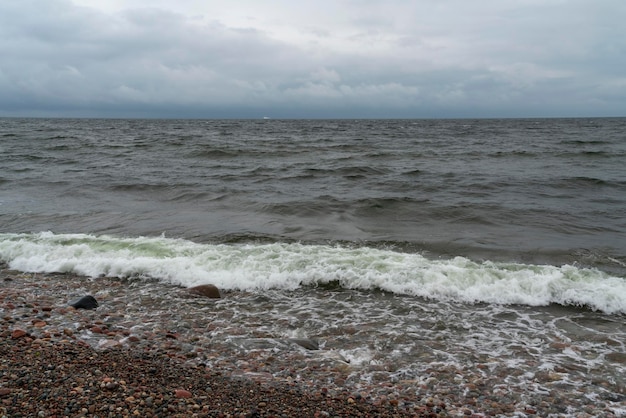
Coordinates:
289 266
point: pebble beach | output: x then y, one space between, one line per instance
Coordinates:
123 360
47 370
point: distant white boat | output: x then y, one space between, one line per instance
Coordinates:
266 117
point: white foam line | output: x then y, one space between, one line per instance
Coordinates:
289 266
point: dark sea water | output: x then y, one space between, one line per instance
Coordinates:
551 190
504 235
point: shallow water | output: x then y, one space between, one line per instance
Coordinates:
381 344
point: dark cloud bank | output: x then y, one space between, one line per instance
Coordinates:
63 60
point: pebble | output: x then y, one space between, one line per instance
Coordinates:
181 393
18 333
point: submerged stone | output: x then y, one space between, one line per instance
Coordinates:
306 343
206 290
85 302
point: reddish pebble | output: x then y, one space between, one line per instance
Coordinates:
559 346
39 324
18 333
181 393
4 391
96 330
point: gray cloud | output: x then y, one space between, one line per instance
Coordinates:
339 59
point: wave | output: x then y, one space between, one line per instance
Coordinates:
507 154
581 182
134 186
289 266
326 205
214 154
358 171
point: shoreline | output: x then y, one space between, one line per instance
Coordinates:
147 354
48 371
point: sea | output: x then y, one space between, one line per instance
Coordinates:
400 245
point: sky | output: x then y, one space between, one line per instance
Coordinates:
313 59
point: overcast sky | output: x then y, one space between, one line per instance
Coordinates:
313 59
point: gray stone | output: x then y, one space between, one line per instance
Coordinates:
306 343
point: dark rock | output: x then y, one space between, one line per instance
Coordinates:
111 385
85 302
206 290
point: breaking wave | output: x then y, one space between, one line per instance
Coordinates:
288 266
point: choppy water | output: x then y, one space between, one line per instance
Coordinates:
402 245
